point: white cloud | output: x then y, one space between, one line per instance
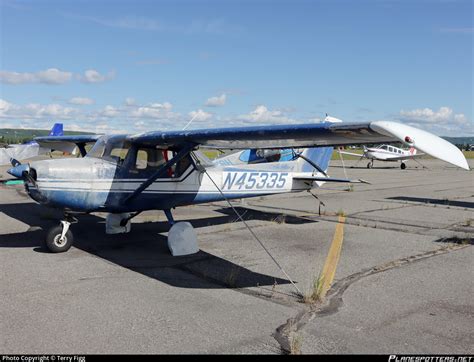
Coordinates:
16 78
164 106
48 76
216 101
200 115
4 106
136 118
261 114
444 121
35 111
154 110
93 76
427 115
109 112
53 76
129 102
82 101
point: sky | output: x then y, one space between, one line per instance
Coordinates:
143 65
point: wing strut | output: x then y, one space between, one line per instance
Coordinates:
251 231
161 171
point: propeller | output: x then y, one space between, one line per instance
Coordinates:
15 162
22 171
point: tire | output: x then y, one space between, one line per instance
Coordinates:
52 240
369 165
403 166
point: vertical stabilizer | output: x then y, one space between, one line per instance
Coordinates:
57 130
321 156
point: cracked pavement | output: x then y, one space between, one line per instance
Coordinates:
404 283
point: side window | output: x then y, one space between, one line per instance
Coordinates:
141 161
117 155
182 166
150 160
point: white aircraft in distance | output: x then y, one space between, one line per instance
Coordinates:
14 152
385 153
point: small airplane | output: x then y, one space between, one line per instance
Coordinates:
27 150
387 153
124 175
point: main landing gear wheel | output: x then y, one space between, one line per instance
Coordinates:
59 238
369 165
403 166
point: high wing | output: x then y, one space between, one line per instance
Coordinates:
308 135
67 143
278 136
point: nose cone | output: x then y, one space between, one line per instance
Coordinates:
18 170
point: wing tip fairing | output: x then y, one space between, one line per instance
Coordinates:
424 141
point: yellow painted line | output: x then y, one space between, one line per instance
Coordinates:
329 270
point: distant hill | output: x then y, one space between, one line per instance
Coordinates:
19 135
460 140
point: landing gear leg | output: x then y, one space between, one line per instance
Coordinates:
182 239
169 216
59 238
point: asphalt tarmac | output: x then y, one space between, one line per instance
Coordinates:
403 283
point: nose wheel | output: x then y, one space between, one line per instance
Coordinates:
59 238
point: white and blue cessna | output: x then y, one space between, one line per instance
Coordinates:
124 175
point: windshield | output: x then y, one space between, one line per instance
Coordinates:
98 149
110 148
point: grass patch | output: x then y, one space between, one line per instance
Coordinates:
314 295
211 154
336 156
468 154
296 341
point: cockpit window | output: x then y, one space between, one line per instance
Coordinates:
97 151
149 160
113 149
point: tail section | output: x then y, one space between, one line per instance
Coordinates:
57 130
321 156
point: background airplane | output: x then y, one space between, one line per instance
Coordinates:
27 150
255 155
386 153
